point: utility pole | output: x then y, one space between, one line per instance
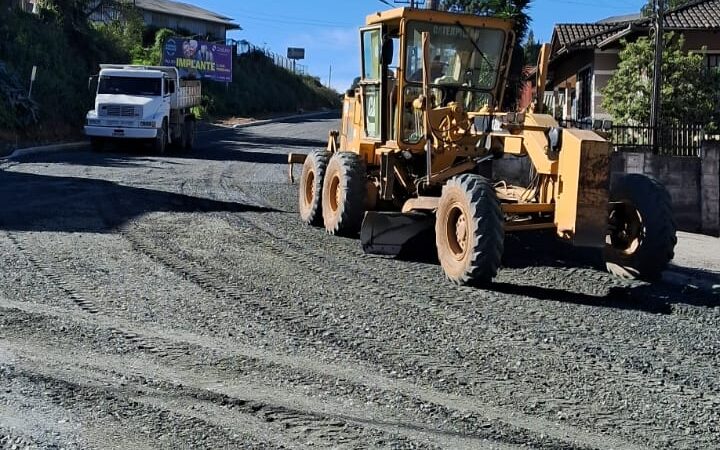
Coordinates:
330 78
655 108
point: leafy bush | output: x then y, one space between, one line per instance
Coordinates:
64 63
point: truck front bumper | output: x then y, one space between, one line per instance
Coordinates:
122 133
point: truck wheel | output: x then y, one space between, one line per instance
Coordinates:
641 230
161 140
343 193
469 230
310 189
189 134
97 144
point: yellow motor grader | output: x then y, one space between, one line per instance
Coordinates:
419 133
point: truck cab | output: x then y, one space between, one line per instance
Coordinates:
149 103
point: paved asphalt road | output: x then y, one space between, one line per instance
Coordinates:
176 302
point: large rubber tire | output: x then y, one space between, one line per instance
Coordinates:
189 134
343 194
161 141
310 189
469 231
642 233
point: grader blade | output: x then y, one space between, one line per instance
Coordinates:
386 233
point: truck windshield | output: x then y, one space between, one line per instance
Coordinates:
460 55
130 86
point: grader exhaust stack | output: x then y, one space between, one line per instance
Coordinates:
421 127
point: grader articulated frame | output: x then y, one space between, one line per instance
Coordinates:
420 134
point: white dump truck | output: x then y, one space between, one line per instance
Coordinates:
150 103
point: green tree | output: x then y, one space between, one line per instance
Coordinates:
531 49
689 89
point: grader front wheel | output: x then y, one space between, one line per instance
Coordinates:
469 230
641 236
311 182
343 193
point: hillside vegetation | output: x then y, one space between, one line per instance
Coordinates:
66 56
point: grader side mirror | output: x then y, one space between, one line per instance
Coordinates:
388 50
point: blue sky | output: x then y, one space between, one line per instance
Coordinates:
327 29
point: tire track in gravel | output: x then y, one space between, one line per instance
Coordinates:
64 278
143 343
208 279
372 345
111 412
367 268
205 401
636 375
259 400
640 377
153 346
297 324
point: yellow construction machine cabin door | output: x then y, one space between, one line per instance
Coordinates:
371 83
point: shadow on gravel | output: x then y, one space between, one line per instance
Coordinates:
90 159
543 250
30 202
226 154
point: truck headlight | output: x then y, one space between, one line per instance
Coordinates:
147 123
93 121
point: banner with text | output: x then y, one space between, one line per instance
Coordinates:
199 59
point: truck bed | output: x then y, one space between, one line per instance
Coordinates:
188 94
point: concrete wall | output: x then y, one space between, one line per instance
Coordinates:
710 188
693 183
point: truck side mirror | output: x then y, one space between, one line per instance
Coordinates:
92 84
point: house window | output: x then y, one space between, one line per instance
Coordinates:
584 99
713 61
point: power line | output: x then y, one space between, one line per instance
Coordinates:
289 19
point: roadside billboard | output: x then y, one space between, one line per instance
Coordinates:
295 53
199 59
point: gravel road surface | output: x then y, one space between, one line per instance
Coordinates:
177 302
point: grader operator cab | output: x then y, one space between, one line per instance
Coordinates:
420 132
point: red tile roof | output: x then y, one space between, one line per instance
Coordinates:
698 14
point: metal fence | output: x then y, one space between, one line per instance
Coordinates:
244 47
673 140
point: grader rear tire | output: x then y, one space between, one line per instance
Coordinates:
642 237
343 194
469 230
310 189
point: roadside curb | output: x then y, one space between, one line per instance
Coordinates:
48 149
